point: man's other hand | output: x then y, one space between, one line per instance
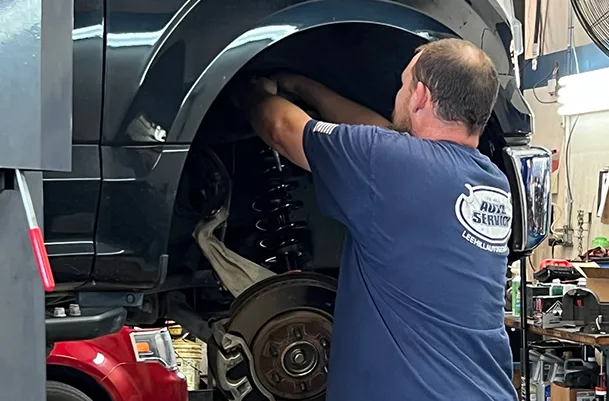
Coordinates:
289 82
331 106
249 93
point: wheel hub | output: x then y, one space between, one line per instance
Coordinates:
286 322
291 354
299 359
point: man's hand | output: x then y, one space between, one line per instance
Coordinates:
248 94
289 82
274 119
330 105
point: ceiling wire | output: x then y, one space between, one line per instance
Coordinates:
542 21
567 159
571 129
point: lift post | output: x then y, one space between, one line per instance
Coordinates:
35 136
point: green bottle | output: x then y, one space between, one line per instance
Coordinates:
516 295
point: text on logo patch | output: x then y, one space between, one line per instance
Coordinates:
486 215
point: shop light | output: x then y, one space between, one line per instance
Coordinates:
587 92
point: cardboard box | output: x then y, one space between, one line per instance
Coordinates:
597 278
560 393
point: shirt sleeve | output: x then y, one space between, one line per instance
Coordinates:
340 159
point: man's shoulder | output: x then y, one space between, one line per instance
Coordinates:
496 176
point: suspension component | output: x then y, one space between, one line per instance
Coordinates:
286 242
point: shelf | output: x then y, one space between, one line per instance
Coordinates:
595 340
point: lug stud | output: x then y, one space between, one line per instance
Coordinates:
297 333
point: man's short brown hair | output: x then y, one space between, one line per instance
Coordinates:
462 80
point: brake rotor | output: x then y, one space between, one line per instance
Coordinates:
286 321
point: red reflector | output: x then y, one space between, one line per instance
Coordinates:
579 303
42 259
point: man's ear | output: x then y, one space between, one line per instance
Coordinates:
420 97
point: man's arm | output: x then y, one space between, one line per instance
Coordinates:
276 120
338 156
330 105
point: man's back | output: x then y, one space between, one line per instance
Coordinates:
419 312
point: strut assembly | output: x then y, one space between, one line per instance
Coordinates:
285 241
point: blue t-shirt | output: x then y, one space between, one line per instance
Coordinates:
419 309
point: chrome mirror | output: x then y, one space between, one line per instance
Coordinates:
529 172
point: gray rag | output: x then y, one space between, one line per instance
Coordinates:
235 272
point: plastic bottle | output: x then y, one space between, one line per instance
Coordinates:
600 394
516 295
556 288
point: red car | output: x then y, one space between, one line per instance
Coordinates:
131 365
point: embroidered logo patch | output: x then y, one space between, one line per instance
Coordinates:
324 128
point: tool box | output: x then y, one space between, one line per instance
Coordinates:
589 306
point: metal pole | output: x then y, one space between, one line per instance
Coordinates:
524 357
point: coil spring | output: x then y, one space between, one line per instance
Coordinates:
284 241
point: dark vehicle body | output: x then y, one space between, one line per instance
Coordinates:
148 81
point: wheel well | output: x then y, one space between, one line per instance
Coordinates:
79 380
332 55
328 53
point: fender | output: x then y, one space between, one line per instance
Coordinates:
95 362
161 82
279 26
227 34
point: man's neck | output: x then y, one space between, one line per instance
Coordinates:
451 133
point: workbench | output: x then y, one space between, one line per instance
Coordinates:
594 340
598 341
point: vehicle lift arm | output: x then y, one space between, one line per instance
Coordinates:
35 136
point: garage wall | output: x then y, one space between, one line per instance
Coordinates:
589 149
555 37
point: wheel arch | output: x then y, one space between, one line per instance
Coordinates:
511 113
79 380
313 14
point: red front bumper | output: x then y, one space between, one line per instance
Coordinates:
149 381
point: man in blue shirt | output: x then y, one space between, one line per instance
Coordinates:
419 309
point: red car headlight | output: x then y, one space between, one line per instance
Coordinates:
154 345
